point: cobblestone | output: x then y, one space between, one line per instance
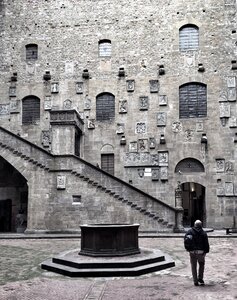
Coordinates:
21 277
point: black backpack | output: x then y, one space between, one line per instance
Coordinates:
188 242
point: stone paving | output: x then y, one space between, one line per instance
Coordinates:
21 277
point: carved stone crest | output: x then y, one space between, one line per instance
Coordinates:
143 145
133 146
140 127
163 100
177 126
46 138
130 85
224 110
220 165
141 172
14 106
123 106
152 143
154 86
4 109
67 104
161 119
79 87
143 103
54 87
61 182
120 128
155 174
87 103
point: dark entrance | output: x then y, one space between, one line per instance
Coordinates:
193 196
13 199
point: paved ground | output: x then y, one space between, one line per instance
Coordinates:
22 279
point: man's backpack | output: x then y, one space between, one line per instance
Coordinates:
189 242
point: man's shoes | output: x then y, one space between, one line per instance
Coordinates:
201 281
196 283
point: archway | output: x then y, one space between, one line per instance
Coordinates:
193 202
13 199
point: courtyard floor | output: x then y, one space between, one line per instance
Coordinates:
21 277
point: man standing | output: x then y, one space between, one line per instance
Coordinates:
196 243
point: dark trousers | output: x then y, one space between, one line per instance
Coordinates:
194 259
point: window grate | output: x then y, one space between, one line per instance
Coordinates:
107 163
189 165
30 111
189 38
105 48
31 52
105 107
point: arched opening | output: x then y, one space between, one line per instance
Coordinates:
13 199
193 202
107 159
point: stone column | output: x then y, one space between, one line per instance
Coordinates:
179 209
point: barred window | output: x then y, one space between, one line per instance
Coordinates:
105 107
31 52
188 38
30 110
107 163
193 100
189 165
105 48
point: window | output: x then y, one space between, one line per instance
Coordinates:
193 100
107 163
188 38
105 48
189 165
105 107
31 52
30 110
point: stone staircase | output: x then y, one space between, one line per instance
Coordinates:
149 207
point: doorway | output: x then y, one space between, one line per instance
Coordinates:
193 198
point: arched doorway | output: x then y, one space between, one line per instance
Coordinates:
193 202
13 199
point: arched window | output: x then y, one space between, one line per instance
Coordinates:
107 159
188 38
31 52
189 165
30 110
105 107
193 100
104 48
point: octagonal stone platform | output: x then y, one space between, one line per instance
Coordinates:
73 265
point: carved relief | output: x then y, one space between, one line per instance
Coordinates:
163 173
91 124
188 135
4 109
163 100
220 165
177 126
145 158
14 106
47 103
133 146
69 68
229 167
12 91
123 106
54 87
143 102
120 128
143 145
46 138
61 182
163 158
152 143
154 86
199 126
140 127
231 94
154 159
161 119
231 82
67 104
224 110
232 122
141 172
229 188
223 97
155 174
130 85
87 103
220 191
79 87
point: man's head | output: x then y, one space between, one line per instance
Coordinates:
198 224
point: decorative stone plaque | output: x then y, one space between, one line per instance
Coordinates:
155 174
220 191
161 119
154 159
142 145
163 158
15 106
223 97
199 126
229 167
143 103
61 182
220 165
12 91
152 143
123 106
4 109
69 68
231 82
188 135
120 128
177 126
163 173
67 104
79 87
140 127
232 122
154 86
91 124
47 103
54 87
141 172
224 110
130 85
46 138
231 94
229 188
163 100
87 104
133 146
